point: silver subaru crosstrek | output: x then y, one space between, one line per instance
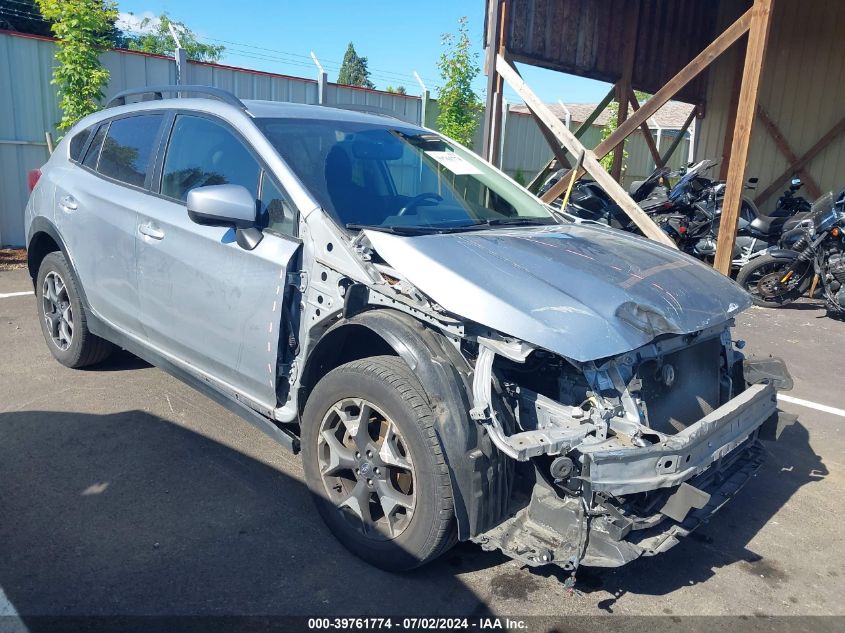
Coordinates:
453 359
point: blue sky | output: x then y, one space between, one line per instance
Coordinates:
397 37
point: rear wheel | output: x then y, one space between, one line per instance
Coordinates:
375 466
763 278
63 319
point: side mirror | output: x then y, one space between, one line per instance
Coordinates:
226 205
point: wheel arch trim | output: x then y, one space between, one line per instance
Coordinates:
478 472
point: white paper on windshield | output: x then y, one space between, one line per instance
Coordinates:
454 163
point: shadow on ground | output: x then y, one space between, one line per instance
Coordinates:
791 464
131 514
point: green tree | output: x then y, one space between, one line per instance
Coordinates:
608 129
353 71
82 28
155 37
399 90
459 105
613 123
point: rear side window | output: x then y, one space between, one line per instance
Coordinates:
128 148
202 153
77 144
93 153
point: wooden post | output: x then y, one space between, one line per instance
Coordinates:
622 89
493 111
756 51
646 130
684 76
733 104
574 146
538 179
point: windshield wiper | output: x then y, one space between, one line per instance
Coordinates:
517 222
474 226
409 230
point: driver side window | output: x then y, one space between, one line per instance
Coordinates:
201 153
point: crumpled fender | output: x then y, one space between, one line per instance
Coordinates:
481 476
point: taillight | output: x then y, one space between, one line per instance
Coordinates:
32 178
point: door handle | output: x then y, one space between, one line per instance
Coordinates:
151 231
68 203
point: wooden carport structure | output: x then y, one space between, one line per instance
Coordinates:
663 47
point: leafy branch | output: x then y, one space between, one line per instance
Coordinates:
83 29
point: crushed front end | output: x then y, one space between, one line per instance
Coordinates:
620 457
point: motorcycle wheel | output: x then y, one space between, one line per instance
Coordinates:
761 279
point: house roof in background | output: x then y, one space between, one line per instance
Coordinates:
671 116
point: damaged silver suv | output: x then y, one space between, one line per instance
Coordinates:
453 360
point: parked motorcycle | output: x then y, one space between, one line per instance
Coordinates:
816 256
690 211
589 201
696 214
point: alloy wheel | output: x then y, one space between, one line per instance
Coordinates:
57 309
366 468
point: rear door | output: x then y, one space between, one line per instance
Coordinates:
213 306
97 201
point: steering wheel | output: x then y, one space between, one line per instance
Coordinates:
420 200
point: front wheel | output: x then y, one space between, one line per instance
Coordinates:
375 465
763 278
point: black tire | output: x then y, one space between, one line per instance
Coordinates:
748 277
84 347
387 383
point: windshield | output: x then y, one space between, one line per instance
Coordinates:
397 177
823 212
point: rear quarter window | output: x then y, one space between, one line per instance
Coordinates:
78 142
93 153
128 148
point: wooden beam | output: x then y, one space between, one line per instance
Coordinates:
646 130
786 150
675 143
804 160
687 74
551 139
574 146
757 35
622 89
491 138
602 105
733 104
535 183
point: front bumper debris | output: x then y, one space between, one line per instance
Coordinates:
639 501
682 456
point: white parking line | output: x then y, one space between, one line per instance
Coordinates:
6 295
812 405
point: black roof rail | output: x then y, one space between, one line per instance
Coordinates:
158 93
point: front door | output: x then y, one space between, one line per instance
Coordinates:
213 306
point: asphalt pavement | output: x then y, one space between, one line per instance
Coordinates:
123 491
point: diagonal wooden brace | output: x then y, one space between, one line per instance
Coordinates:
574 146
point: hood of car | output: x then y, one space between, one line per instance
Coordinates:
581 291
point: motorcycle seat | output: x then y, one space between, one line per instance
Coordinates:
773 226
